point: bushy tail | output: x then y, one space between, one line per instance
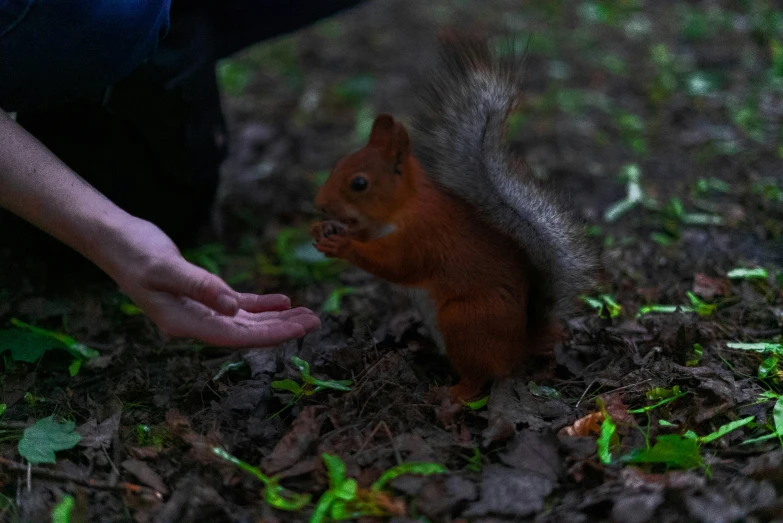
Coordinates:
460 140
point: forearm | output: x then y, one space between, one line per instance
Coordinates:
38 187
182 299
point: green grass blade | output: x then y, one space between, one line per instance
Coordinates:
417 469
725 429
608 429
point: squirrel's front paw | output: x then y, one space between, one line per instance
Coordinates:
330 239
322 230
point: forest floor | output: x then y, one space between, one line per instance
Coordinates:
663 123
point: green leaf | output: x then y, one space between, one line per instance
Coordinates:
74 367
415 468
542 391
702 308
777 415
274 494
334 300
648 408
42 440
670 449
661 393
221 453
61 513
336 469
227 367
661 238
129 309
664 423
322 507
289 385
341 385
617 209
612 306
341 510
346 490
302 366
233 76
662 309
26 346
478 404
3 408
604 304
608 429
725 429
768 367
475 461
748 274
71 345
775 348
701 219
698 352
284 499
760 438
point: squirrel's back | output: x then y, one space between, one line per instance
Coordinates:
460 141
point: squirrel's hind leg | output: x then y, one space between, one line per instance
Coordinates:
481 344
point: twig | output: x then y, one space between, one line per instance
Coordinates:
92 483
14 425
394 445
583 394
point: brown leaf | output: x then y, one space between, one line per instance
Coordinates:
201 446
617 410
708 287
145 474
536 452
15 385
303 432
583 427
144 452
95 435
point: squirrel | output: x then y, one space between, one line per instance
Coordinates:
494 258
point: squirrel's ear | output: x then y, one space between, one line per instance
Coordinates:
382 131
400 146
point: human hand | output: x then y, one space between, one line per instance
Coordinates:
182 299
187 301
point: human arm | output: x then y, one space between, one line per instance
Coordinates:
182 299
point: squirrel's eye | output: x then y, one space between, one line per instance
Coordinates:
359 184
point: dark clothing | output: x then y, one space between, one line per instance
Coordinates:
124 91
53 51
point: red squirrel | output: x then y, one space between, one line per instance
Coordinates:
494 258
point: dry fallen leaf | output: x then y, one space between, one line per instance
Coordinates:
290 449
708 287
583 427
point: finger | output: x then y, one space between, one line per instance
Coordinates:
301 315
291 313
263 302
183 318
222 332
309 322
185 279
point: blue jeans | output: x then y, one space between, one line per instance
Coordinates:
56 51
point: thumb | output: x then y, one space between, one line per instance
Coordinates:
186 279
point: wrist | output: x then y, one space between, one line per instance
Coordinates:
122 245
